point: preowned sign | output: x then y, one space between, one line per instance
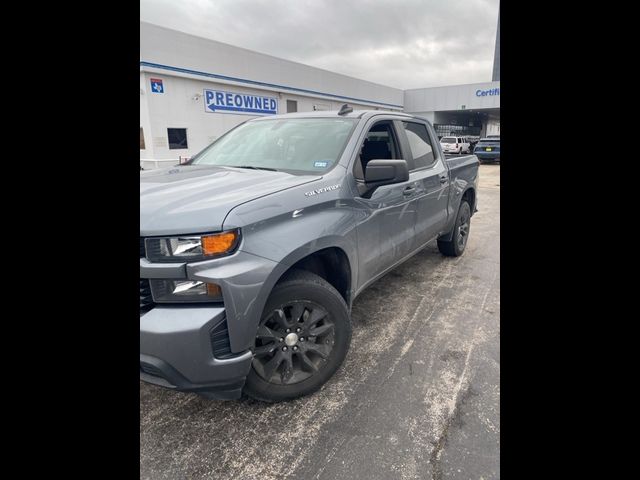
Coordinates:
218 101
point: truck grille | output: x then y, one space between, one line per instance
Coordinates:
220 342
146 301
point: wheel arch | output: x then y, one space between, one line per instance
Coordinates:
470 195
329 261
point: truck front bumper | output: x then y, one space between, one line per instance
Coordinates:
177 341
176 352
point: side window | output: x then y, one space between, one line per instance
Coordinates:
379 144
177 138
142 147
420 144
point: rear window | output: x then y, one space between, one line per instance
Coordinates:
489 141
419 143
448 140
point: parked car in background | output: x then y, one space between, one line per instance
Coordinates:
455 145
488 149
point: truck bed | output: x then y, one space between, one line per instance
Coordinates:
463 166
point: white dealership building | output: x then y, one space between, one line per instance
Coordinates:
192 90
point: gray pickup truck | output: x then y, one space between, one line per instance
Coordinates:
253 252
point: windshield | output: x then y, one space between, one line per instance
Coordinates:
293 145
448 140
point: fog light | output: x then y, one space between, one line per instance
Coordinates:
171 291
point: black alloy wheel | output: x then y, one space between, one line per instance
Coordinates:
293 343
301 340
460 234
463 228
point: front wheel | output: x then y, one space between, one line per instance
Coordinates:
455 247
302 339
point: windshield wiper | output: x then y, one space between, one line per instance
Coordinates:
254 168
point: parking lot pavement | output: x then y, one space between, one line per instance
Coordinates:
417 397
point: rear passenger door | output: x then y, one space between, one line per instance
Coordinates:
429 176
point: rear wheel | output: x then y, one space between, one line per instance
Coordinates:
455 247
302 339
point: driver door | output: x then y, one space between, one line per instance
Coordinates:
386 230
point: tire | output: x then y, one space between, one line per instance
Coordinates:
455 247
310 307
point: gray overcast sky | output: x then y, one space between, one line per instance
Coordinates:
399 43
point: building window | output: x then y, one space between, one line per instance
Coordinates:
451 130
141 139
177 138
420 144
292 106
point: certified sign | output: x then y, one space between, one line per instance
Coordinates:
491 92
218 101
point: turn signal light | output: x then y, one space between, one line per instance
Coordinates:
219 243
214 290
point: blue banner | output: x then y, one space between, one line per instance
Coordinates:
218 101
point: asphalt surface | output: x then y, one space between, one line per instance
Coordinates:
418 396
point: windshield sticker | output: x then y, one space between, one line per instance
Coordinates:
320 164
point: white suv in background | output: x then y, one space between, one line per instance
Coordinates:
455 145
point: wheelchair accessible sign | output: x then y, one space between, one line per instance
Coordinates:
218 101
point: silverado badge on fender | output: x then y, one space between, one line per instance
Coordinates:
322 190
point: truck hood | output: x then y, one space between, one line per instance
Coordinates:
196 199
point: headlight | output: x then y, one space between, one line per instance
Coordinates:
191 248
176 291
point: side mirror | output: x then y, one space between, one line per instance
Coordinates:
386 172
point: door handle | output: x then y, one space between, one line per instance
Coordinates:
409 190
443 179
